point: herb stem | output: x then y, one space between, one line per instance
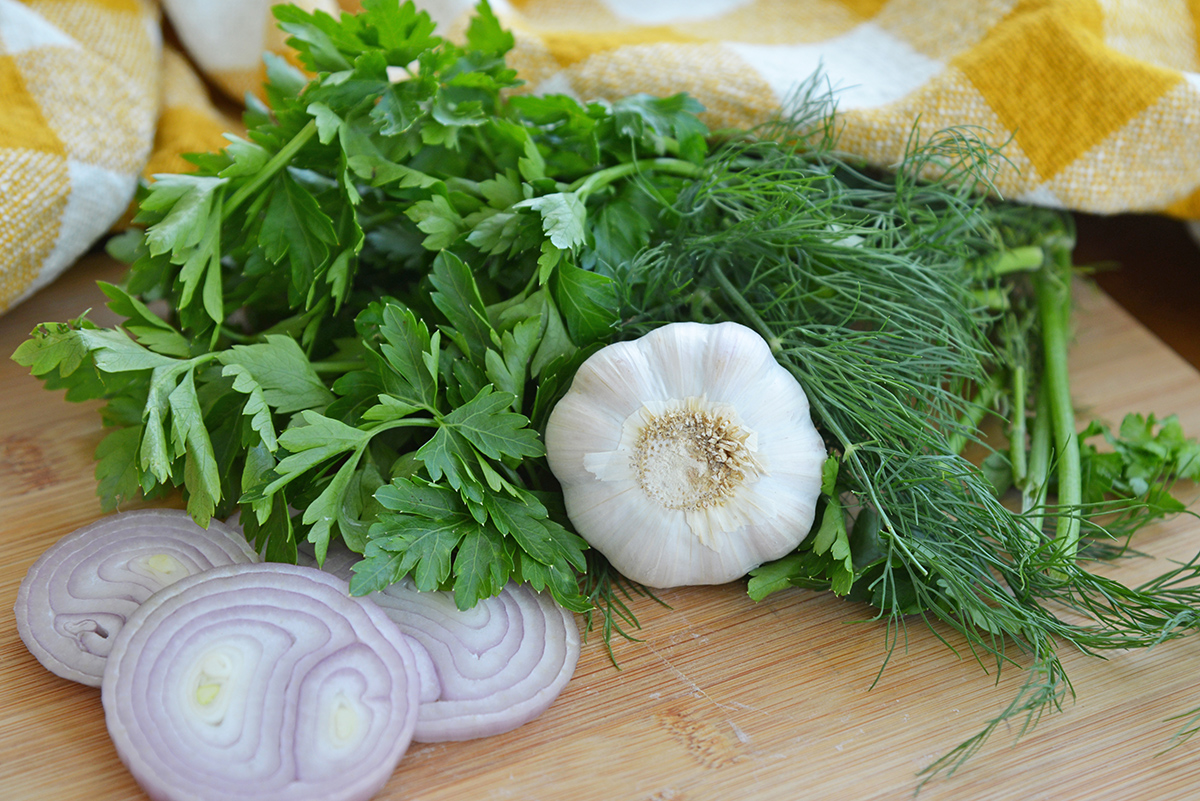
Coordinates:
274 165
337 365
737 299
973 417
598 180
1037 475
1052 287
237 336
1025 258
1017 428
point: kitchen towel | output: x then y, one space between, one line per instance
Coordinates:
1095 103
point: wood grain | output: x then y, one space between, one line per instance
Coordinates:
722 698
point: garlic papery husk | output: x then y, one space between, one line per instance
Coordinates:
688 456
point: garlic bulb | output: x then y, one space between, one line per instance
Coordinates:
687 456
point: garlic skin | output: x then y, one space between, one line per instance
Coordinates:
687 456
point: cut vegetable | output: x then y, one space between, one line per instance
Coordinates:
266 682
76 596
486 670
496 666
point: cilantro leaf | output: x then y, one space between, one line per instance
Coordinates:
191 439
619 232
437 218
308 445
508 368
273 535
116 467
485 34
448 454
406 345
481 567
458 298
147 327
410 543
179 210
831 538
256 406
655 120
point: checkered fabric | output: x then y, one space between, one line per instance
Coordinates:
90 101
1095 102
79 88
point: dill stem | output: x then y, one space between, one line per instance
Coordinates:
1053 297
1033 492
738 299
1039 453
1017 428
973 418
1025 258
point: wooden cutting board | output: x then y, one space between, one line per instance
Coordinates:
721 698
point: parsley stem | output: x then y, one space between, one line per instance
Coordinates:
274 165
598 180
336 366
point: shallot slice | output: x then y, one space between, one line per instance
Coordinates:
76 596
486 670
496 666
266 682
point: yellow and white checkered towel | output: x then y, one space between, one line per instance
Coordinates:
1097 100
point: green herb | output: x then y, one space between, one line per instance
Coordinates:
377 296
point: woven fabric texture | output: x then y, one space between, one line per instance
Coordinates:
1096 103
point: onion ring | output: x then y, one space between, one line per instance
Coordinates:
485 670
75 598
496 666
266 682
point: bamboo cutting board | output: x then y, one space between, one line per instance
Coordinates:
721 698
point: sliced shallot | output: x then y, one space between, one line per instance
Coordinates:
486 670
266 682
495 666
76 596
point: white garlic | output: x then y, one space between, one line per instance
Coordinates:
687 456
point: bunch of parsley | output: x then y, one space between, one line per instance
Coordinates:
373 300
352 323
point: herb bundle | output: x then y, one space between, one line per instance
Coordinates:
373 301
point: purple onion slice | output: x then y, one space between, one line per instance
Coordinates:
266 682
494 667
76 596
486 670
